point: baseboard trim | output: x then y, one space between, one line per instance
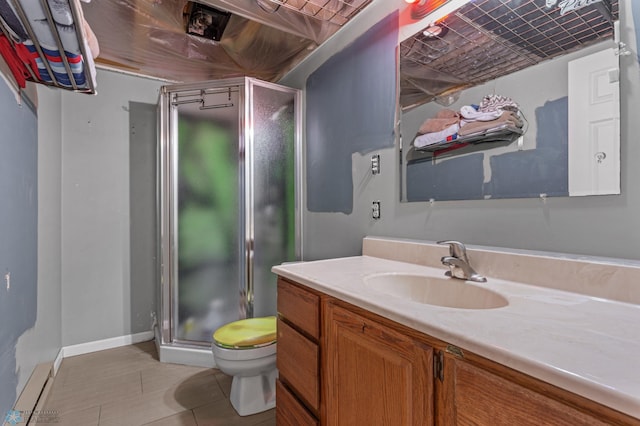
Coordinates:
33 395
180 355
101 345
57 361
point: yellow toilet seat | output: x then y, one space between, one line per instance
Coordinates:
247 333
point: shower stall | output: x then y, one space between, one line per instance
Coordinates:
228 207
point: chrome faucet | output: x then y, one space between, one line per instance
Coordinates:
458 262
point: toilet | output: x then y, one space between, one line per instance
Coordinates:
246 350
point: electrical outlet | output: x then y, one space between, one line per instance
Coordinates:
375 210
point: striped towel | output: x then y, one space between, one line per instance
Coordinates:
494 102
57 66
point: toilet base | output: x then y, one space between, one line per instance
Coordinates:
254 394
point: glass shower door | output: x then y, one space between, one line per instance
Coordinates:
272 137
209 256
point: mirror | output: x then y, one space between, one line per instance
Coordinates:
511 99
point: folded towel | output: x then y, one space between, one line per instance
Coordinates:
42 27
497 103
17 67
61 12
57 66
470 114
443 119
91 39
483 127
9 16
446 113
506 118
433 138
27 58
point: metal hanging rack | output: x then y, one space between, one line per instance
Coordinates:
201 98
504 133
76 13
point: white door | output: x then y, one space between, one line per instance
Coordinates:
594 124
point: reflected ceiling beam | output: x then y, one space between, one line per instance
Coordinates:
605 11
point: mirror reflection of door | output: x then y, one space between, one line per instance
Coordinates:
594 124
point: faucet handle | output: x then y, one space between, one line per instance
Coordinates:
456 248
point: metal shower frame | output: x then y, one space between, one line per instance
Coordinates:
166 190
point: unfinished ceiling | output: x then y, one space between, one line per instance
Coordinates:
262 39
486 39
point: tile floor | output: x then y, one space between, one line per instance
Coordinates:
128 386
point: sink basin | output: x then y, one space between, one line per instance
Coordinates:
447 292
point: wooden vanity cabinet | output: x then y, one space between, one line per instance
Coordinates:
374 375
341 365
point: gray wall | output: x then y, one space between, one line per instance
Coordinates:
603 225
42 343
340 124
99 298
76 221
18 234
42 340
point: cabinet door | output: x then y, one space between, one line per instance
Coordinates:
374 375
474 396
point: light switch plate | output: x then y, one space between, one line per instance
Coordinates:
375 164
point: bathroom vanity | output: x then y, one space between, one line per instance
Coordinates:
349 353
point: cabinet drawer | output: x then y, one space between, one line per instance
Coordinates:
290 412
298 364
299 307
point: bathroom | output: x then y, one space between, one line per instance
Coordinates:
86 292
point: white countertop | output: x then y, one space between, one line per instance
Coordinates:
583 344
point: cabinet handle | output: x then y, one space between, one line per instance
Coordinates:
455 351
438 365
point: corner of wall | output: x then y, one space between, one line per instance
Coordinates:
99 300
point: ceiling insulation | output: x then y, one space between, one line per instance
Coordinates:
149 37
486 39
337 11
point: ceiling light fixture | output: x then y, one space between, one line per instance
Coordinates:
434 31
428 12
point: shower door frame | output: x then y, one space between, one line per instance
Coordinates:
166 196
